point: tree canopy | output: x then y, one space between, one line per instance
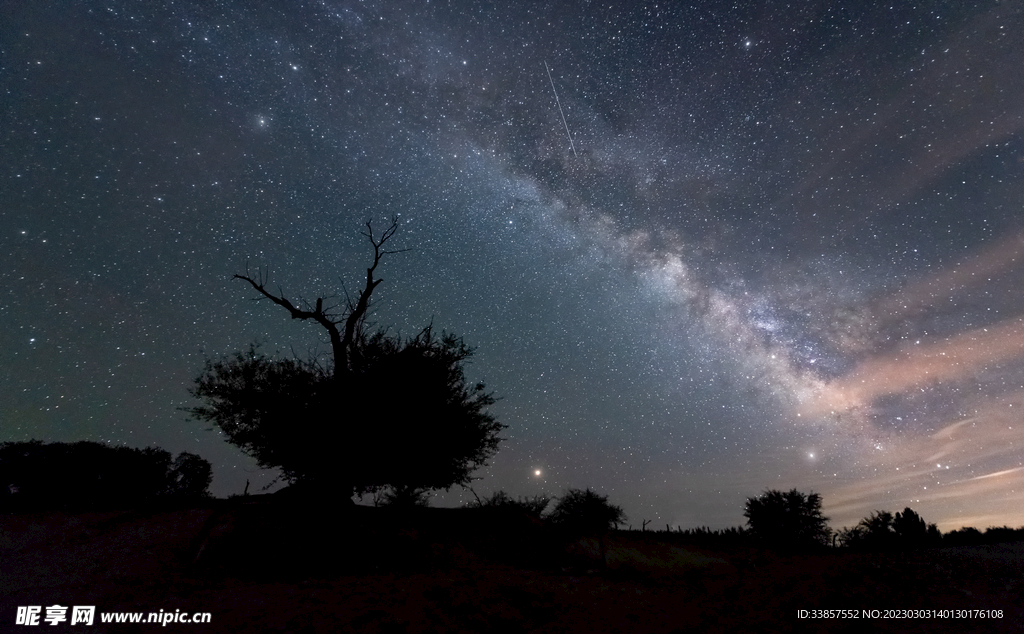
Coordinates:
787 519
587 512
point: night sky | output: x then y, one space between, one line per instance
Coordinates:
769 245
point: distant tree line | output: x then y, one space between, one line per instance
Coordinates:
779 520
90 475
970 536
792 520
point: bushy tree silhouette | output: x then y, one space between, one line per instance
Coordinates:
189 476
912 531
882 530
877 529
86 475
787 519
584 512
850 536
386 412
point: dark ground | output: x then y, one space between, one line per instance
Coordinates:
263 565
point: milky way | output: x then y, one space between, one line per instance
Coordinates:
701 251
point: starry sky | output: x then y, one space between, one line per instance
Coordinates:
701 249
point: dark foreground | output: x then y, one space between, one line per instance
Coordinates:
272 567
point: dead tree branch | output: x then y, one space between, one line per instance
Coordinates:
341 344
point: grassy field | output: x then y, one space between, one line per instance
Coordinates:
265 567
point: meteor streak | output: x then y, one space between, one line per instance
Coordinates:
558 101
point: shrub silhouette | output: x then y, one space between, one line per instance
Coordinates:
787 519
877 530
912 531
586 513
532 506
1001 534
882 530
402 497
91 475
189 477
714 538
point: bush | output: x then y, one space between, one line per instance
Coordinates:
586 512
884 531
788 520
532 506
